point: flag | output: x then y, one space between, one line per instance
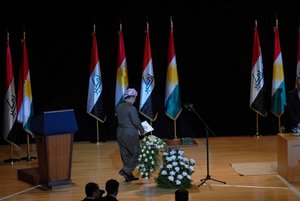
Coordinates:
298 55
24 97
95 106
172 93
122 76
278 85
10 102
257 102
147 105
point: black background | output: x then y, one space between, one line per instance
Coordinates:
213 45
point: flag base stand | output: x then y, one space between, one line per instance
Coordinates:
28 158
185 141
172 142
257 135
96 142
11 160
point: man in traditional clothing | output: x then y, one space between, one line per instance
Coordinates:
129 128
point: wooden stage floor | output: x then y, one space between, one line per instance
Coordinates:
100 162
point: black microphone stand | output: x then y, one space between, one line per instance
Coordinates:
190 107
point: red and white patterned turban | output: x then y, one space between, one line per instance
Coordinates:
130 92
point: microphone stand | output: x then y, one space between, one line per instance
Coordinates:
190 107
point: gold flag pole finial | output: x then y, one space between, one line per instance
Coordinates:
255 22
94 28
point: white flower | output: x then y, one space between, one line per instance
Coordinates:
169 166
169 159
171 178
179 176
172 152
172 173
164 172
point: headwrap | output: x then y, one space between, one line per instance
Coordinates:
130 92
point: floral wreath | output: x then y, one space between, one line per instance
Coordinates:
176 170
149 159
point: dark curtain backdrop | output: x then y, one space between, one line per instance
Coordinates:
213 44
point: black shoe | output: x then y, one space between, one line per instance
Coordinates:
133 178
125 175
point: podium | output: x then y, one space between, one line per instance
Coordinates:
54 132
288 156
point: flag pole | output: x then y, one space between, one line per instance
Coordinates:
279 125
175 135
97 131
151 125
28 157
11 160
257 133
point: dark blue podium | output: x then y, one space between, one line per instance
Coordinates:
54 132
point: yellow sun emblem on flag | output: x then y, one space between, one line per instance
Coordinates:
172 75
278 72
122 77
27 88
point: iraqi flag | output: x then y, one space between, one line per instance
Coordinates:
95 106
147 104
257 90
10 101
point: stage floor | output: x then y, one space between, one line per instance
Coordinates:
100 162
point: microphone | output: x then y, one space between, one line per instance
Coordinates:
188 106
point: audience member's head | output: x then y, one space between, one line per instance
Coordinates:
92 190
112 187
181 195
